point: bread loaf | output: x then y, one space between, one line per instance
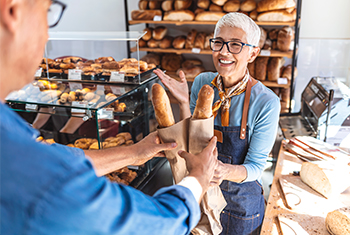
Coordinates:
273 34
191 36
161 105
273 68
190 63
171 62
166 42
145 14
231 6
143 4
179 42
167 5
269 5
338 221
219 2
214 7
182 4
191 71
326 178
148 34
159 32
285 96
260 68
263 36
152 58
182 15
251 69
209 16
287 72
248 5
253 15
154 5
199 41
152 43
204 4
274 45
285 38
203 109
142 43
206 42
275 16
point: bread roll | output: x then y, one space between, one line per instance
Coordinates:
338 221
182 4
191 36
214 7
143 4
260 68
152 58
219 2
161 105
198 10
253 15
263 36
273 68
191 71
199 41
248 5
231 6
171 62
152 43
251 69
179 42
167 5
203 109
159 32
154 5
269 5
326 178
182 15
209 16
166 42
275 16
206 42
142 43
204 4
145 14
285 38
287 72
148 35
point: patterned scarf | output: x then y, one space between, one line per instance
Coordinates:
225 97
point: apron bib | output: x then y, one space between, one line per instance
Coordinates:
245 201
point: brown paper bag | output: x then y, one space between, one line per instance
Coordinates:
193 135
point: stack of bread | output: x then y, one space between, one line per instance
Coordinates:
276 10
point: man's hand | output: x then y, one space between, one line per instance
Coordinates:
202 165
149 147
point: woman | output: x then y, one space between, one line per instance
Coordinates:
247 115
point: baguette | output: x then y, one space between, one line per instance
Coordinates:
203 109
161 105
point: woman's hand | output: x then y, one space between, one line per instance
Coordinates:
220 174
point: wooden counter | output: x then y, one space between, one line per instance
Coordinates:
276 205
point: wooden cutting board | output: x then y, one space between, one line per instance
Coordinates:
301 224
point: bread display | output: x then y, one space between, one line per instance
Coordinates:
179 42
275 16
181 15
231 6
159 32
260 68
203 109
145 14
182 4
248 5
161 105
285 38
269 5
338 221
274 66
209 16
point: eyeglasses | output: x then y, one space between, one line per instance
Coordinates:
233 47
55 13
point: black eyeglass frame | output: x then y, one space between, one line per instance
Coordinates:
64 6
226 43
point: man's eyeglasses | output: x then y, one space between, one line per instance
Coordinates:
232 46
55 13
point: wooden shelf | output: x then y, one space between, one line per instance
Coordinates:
178 23
274 53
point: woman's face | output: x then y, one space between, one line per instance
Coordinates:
228 65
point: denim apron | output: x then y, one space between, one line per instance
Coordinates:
245 201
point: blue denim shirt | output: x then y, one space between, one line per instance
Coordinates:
263 116
53 189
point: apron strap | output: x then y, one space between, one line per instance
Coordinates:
245 109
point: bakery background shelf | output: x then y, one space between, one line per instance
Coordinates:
179 23
273 53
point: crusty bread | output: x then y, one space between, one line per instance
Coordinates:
191 71
181 15
153 5
273 34
214 7
269 5
273 68
231 6
206 42
182 4
179 42
145 14
152 58
285 38
171 62
159 32
152 43
204 4
253 15
166 42
143 4
260 68
219 2
203 109
189 63
167 5
275 16
191 36
338 221
162 107
199 41
148 34
248 5
209 16
287 72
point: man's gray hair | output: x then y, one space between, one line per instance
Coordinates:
242 21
